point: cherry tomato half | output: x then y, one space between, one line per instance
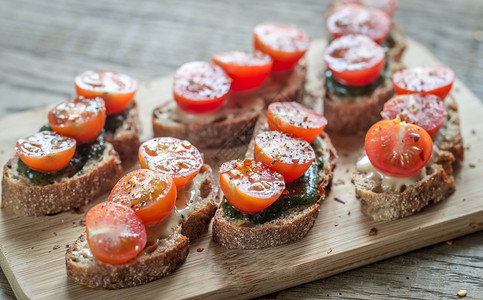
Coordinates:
355 59
200 87
247 71
426 111
286 44
357 19
436 80
171 156
151 195
81 118
250 186
398 148
46 151
115 233
116 89
295 119
387 6
283 153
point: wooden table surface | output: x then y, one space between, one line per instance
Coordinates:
44 44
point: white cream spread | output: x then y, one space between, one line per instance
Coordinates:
388 183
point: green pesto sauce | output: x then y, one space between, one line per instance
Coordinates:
302 191
113 122
83 153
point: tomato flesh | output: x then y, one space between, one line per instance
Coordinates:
81 118
283 153
171 156
247 71
250 186
355 60
200 87
151 195
115 233
295 119
286 44
388 6
397 148
436 80
426 111
357 19
46 151
116 89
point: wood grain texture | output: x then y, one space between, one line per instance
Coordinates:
339 241
44 44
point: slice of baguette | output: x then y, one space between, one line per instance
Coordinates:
347 116
233 123
385 205
126 137
97 176
449 138
163 253
290 226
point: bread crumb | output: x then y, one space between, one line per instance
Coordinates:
461 293
78 210
55 233
450 242
330 250
200 249
349 213
472 165
56 247
339 199
336 224
373 231
82 222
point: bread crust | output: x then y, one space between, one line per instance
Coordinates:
126 138
234 126
449 137
154 262
23 198
351 118
386 206
157 259
396 50
292 225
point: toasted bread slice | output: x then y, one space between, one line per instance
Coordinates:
167 246
350 116
293 224
394 202
233 123
125 136
449 138
97 176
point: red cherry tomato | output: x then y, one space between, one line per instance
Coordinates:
387 6
357 19
200 87
286 44
171 156
81 118
151 195
397 148
295 119
116 89
115 233
283 153
355 59
250 186
426 111
46 151
247 71
434 80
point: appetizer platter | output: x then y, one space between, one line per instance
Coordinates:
256 118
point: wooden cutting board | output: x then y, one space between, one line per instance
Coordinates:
32 248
